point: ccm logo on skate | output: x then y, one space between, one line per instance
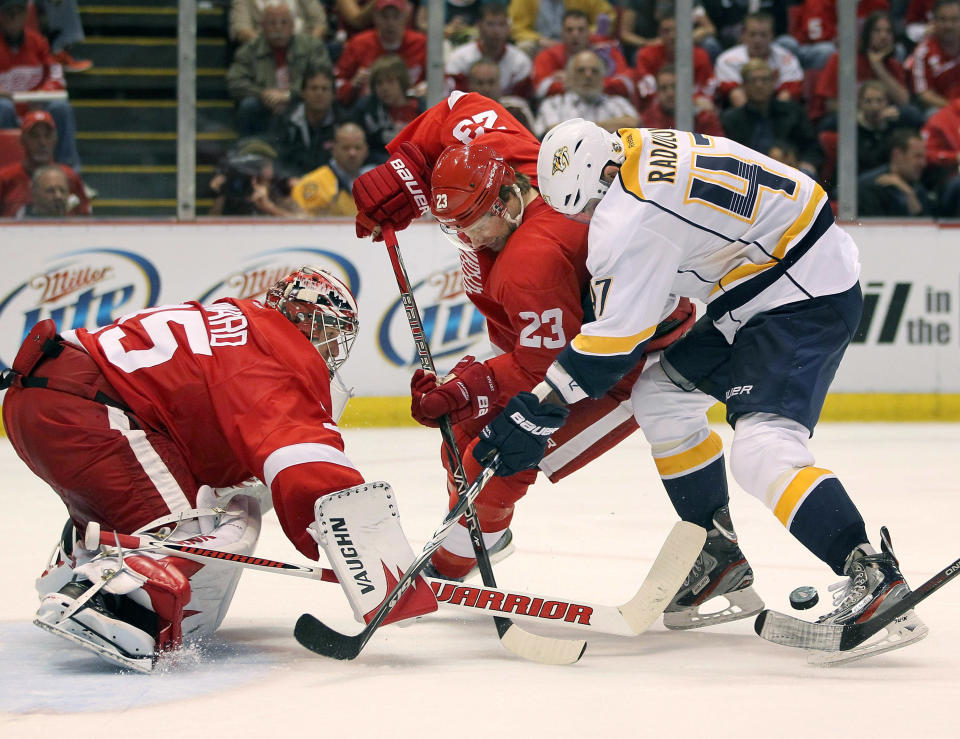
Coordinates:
350 554
522 605
530 426
410 182
738 390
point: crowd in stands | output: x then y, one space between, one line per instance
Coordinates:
321 86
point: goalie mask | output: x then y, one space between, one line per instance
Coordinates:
322 307
466 195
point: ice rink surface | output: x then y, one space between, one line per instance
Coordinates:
591 538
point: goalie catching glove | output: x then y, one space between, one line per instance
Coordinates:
393 193
520 434
468 392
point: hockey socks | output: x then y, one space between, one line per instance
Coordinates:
694 476
816 509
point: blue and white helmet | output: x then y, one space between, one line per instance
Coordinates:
570 166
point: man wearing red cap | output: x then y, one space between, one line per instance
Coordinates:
26 65
38 136
389 35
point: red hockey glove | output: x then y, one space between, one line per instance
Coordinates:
468 392
422 382
520 434
672 327
395 192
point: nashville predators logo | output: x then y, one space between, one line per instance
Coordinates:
561 160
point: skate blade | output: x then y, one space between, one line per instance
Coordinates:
107 653
901 633
740 604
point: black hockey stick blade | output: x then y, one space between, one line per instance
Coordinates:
780 628
316 636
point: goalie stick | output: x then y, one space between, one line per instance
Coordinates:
515 639
780 628
664 578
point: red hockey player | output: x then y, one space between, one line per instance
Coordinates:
483 191
138 425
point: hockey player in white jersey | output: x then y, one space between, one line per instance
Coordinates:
676 213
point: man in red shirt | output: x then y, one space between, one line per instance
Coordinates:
389 35
143 423
941 133
549 66
38 136
934 66
654 56
26 65
525 269
660 113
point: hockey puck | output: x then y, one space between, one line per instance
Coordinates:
804 597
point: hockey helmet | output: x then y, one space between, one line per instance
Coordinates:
322 307
570 166
465 189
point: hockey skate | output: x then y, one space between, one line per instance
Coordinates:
721 570
873 585
89 621
449 562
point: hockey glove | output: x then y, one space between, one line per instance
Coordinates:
673 326
468 392
520 434
395 192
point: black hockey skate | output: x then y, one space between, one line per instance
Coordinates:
720 570
501 549
873 585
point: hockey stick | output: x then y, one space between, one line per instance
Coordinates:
665 577
780 628
520 642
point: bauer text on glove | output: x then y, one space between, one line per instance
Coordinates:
520 434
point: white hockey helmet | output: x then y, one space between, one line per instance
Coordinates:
322 307
571 162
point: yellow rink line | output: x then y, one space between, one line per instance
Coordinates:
384 412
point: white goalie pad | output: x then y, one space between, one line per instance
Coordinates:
359 530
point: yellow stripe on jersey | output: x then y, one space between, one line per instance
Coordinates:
691 460
630 169
610 345
810 210
804 481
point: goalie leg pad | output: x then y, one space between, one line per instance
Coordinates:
359 529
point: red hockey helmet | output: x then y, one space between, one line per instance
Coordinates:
322 307
465 187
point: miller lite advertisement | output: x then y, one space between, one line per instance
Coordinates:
90 274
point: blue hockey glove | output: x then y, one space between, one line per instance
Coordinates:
520 434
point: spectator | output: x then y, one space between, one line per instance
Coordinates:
934 65
652 57
549 66
388 108
50 193
638 26
813 39
267 72
26 64
586 99
389 35
895 188
328 191
763 118
60 22
246 17
305 137
729 16
942 136
38 136
660 112
918 19
876 122
484 77
354 16
539 24
785 152
875 61
246 184
758 44
493 31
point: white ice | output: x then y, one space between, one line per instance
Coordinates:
590 538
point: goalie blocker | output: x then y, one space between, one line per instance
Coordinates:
359 530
